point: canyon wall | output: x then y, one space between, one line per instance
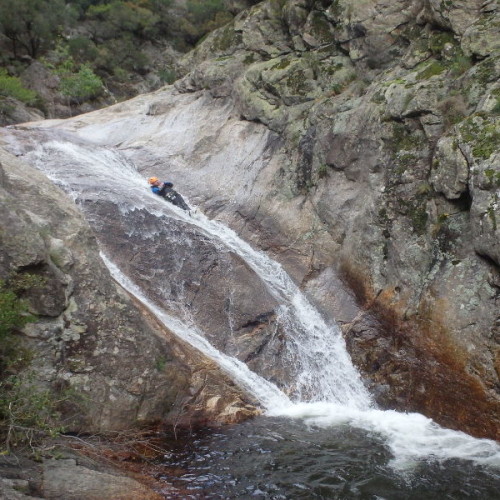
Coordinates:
357 143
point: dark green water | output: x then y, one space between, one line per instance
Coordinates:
278 458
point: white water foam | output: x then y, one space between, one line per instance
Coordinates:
410 436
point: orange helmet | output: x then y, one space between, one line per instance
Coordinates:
152 180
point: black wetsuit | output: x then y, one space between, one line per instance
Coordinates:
173 197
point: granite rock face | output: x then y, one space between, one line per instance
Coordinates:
358 144
388 117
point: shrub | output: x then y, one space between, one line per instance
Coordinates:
83 85
121 53
204 10
323 171
27 412
11 86
82 49
114 19
167 75
13 311
14 315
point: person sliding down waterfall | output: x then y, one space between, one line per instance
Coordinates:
166 190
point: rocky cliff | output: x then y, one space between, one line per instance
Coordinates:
358 143
389 117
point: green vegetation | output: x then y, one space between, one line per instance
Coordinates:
13 315
493 177
27 413
438 41
430 70
11 86
323 171
283 64
226 38
160 363
416 211
167 75
460 64
32 25
405 139
297 82
82 85
321 27
114 44
483 135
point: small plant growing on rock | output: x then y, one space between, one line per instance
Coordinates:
323 171
13 315
27 412
11 86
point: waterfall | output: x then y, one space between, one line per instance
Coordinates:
328 390
325 370
326 373
266 393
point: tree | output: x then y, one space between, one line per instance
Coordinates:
117 19
31 25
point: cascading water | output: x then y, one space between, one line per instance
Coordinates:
267 394
327 391
325 372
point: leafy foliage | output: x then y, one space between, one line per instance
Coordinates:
115 19
31 25
77 81
113 43
11 86
14 315
82 85
13 311
204 10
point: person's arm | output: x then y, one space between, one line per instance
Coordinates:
162 190
155 189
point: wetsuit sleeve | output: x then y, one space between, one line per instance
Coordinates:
155 189
161 191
